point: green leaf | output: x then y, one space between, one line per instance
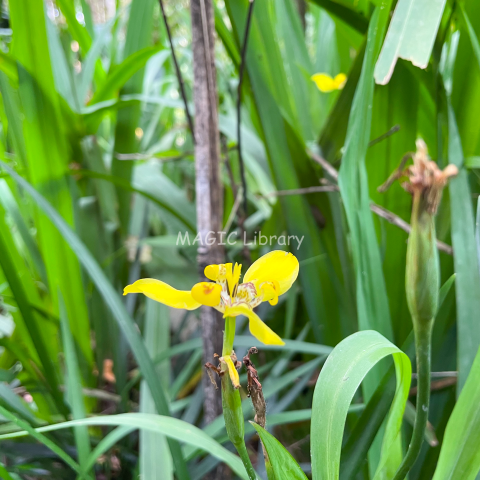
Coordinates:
355 450
372 301
107 442
9 67
460 455
411 35
35 433
155 459
283 464
120 74
29 328
73 385
342 374
113 302
4 473
45 133
160 200
345 14
467 281
171 427
471 34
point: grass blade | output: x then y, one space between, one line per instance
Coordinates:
467 280
342 374
283 464
155 459
460 455
114 303
411 35
171 427
41 438
74 387
372 301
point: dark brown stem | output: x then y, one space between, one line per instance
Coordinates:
239 103
177 70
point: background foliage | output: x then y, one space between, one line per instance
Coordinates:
98 179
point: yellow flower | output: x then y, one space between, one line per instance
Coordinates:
326 83
268 278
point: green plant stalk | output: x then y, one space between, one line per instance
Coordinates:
228 336
423 336
422 289
232 403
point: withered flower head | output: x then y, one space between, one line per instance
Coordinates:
424 178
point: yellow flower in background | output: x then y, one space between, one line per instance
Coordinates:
269 277
326 83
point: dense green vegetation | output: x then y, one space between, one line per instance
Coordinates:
97 180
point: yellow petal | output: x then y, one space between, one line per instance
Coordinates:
233 276
258 329
340 81
232 371
212 271
277 266
207 293
324 82
163 293
270 291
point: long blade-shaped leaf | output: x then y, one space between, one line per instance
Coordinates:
47 156
283 465
372 301
460 455
410 36
171 427
467 281
74 386
114 303
342 374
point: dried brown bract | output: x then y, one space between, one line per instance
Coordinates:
424 177
254 389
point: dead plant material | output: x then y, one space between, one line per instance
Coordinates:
254 389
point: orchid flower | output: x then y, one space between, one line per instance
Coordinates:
269 277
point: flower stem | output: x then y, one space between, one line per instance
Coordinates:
228 336
242 451
423 337
232 403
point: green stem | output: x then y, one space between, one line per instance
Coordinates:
242 451
228 336
232 403
423 338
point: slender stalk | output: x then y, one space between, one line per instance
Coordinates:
177 70
228 336
239 103
242 451
423 337
232 403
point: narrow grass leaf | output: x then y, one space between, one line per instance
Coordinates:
471 33
342 374
410 36
467 280
114 303
28 430
372 301
283 464
73 383
120 74
460 455
171 427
